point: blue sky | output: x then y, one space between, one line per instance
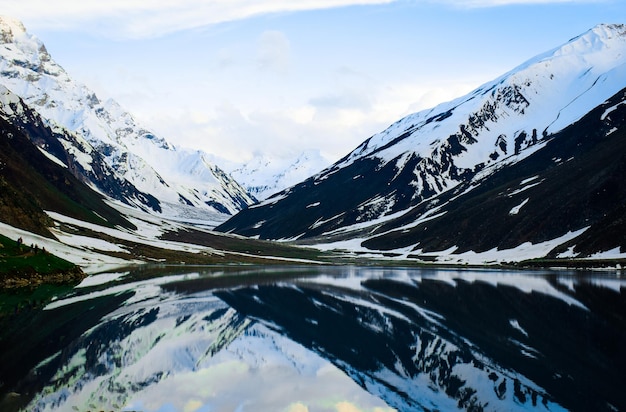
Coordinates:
239 77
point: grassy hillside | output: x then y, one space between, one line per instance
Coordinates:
28 265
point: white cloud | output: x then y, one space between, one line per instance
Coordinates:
346 99
297 407
235 132
143 19
274 51
497 3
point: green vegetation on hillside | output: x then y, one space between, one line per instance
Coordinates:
23 265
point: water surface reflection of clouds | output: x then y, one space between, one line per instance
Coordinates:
259 371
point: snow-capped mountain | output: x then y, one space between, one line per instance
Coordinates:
181 180
407 176
266 175
67 149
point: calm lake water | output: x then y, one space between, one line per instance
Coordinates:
321 339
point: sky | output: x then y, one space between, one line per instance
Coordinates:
240 78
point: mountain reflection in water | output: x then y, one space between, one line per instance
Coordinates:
322 339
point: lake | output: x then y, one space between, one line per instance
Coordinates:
315 338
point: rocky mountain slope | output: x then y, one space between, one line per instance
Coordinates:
109 148
560 107
34 180
47 199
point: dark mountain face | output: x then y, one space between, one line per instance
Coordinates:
577 180
312 208
531 157
67 148
32 183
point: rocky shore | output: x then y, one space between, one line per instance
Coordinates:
29 277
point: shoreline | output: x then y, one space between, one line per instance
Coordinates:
31 278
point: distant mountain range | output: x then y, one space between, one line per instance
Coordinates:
104 145
265 175
529 165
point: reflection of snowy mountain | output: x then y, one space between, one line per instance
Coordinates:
419 340
407 355
162 350
446 340
101 131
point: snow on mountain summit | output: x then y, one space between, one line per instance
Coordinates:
407 173
502 117
552 79
265 175
179 178
596 39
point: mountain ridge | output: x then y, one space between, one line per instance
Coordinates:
176 177
264 175
427 154
34 181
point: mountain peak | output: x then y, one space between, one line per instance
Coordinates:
608 30
18 46
108 138
595 39
265 175
9 28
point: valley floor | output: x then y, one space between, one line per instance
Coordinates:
82 248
